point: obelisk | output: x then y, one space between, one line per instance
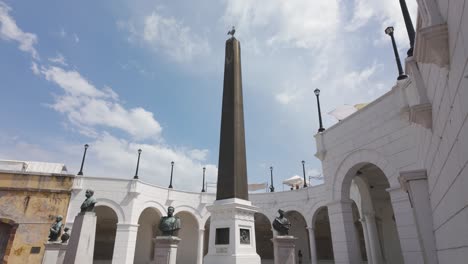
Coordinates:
232 227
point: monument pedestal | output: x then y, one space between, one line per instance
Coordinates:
284 249
232 233
54 253
80 247
165 250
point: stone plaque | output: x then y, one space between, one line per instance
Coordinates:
245 236
222 236
222 250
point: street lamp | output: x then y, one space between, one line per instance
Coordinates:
317 93
82 161
409 26
203 187
172 170
138 165
401 75
272 188
303 171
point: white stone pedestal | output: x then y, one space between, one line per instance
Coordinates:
61 254
51 252
232 233
165 250
80 247
284 249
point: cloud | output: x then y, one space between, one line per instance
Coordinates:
59 59
169 36
88 107
385 13
11 32
295 23
285 97
35 68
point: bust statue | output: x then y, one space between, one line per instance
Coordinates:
55 229
88 204
281 224
65 236
170 224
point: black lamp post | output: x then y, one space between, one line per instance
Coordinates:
272 187
138 165
303 171
401 75
172 170
317 93
203 188
82 161
409 26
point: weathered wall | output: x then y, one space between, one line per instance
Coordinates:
32 202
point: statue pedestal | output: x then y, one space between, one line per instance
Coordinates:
54 253
80 247
284 249
232 233
165 250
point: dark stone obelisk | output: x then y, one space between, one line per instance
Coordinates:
232 167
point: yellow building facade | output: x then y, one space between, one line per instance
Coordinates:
32 194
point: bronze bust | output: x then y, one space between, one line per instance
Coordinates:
170 224
88 204
281 224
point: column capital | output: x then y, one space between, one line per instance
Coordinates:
310 228
413 175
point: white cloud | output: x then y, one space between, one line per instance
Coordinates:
285 97
88 107
11 32
169 36
35 68
76 38
294 23
59 59
386 13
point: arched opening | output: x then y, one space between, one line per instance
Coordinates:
187 251
7 235
147 231
299 229
323 238
263 236
106 228
206 237
366 186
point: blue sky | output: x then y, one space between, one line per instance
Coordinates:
122 75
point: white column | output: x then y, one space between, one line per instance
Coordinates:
125 241
415 183
345 244
366 240
313 247
406 226
201 236
374 241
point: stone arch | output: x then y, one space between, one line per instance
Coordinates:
263 236
189 209
299 229
148 222
188 246
106 229
114 206
351 164
322 234
8 229
151 204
